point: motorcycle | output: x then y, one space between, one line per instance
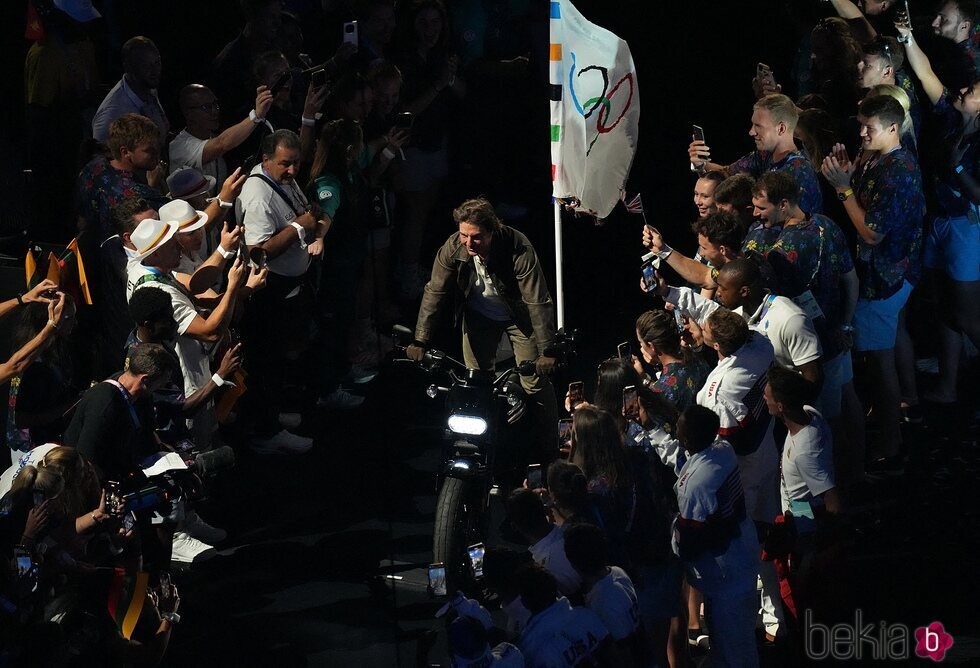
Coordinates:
480 405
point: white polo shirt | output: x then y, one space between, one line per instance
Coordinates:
561 636
613 600
264 213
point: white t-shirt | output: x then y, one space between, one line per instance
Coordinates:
194 355
613 600
483 296
186 150
549 552
264 212
560 636
808 461
787 326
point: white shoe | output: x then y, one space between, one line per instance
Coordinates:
340 399
187 549
282 443
290 420
198 528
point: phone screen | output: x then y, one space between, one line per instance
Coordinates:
24 564
564 433
534 476
631 403
576 392
437 579
698 132
476 559
623 350
649 277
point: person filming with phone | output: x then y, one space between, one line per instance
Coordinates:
493 274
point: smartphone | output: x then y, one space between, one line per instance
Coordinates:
534 476
113 499
564 432
476 553
697 132
257 256
631 403
437 579
128 522
280 82
624 352
576 392
38 497
319 78
164 584
764 74
405 120
649 273
350 33
24 561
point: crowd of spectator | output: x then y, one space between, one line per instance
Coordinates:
263 236
702 501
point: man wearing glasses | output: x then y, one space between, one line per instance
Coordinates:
197 145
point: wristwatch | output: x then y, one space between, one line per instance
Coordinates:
300 233
847 328
252 116
171 617
844 195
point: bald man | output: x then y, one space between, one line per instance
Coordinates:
197 146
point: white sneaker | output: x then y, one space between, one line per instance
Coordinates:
198 528
187 549
340 399
290 420
282 443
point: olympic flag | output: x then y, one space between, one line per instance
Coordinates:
595 111
595 116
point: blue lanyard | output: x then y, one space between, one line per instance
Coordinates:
765 307
128 398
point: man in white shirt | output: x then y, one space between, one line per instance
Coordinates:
734 391
715 539
197 145
527 514
136 92
557 634
793 337
281 222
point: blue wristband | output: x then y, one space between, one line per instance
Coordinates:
959 169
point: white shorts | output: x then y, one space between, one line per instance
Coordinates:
837 372
760 481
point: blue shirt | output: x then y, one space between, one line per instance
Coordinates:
796 165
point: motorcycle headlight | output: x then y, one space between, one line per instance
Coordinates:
470 425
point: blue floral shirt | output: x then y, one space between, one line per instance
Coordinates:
953 202
889 189
795 164
680 382
759 238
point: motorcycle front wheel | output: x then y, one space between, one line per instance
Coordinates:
458 520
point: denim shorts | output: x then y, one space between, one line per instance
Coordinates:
953 244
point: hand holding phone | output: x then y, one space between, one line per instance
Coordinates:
649 274
623 351
404 120
564 434
476 553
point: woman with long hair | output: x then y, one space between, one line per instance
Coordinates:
682 372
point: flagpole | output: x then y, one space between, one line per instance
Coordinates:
559 279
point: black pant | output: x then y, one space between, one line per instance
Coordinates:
274 325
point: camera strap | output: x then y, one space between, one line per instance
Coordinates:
279 191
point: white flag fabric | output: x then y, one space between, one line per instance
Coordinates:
595 111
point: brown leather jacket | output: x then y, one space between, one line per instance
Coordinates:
517 275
